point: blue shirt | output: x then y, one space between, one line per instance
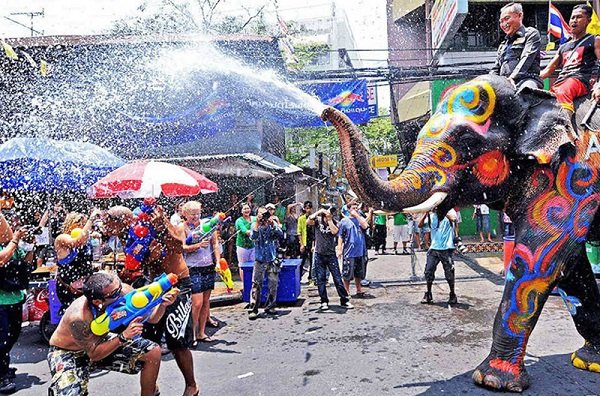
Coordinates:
352 237
265 242
442 233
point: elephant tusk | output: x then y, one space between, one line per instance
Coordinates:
433 201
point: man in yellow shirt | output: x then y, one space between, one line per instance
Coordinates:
306 237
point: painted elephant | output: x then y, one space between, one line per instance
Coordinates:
487 143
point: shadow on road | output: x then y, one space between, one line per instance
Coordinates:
550 375
26 381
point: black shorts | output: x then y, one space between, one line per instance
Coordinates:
353 267
203 279
176 324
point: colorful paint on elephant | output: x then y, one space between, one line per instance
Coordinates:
560 215
470 104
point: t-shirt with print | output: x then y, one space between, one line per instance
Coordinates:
325 241
578 60
353 237
380 219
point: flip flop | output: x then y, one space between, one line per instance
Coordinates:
212 323
205 339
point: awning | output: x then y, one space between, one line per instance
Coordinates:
415 102
260 165
402 7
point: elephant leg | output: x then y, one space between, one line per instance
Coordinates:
580 293
529 281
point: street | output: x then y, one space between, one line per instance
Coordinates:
389 344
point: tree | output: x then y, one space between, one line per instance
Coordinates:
191 16
378 135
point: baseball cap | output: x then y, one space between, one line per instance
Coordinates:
270 206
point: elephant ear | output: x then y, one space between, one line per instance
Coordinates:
544 126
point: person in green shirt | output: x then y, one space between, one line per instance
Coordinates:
243 243
280 210
401 232
380 232
11 302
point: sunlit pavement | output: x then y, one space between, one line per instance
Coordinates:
389 344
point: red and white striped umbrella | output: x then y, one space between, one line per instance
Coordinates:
142 179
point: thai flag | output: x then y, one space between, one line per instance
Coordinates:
557 27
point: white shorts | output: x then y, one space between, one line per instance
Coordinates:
244 255
401 233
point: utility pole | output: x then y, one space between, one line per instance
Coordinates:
31 15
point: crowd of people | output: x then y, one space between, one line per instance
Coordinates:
330 242
325 241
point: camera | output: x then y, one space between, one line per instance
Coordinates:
33 230
265 216
332 209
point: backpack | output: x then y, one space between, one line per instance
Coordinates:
14 275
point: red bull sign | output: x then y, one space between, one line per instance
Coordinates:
349 97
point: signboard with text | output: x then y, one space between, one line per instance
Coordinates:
446 17
384 161
372 100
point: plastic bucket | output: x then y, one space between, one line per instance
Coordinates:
592 249
509 246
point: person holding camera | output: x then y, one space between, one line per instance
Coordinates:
266 231
326 229
441 250
351 247
14 279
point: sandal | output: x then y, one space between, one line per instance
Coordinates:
360 295
204 339
213 323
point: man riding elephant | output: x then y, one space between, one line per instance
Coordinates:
518 56
578 61
487 144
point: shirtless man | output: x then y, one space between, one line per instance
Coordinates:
166 255
74 348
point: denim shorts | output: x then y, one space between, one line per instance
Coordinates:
203 279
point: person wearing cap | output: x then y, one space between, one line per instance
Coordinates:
271 208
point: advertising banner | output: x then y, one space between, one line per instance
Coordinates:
349 97
446 17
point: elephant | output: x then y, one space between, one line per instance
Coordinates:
517 151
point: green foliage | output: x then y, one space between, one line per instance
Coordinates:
379 136
307 54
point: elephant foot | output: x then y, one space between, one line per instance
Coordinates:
501 375
587 358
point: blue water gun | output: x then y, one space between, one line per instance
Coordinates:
137 303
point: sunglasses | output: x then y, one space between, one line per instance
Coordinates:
114 294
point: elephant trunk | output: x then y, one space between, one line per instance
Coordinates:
380 194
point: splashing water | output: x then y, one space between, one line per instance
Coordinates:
135 98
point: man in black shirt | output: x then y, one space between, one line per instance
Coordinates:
518 56
325 258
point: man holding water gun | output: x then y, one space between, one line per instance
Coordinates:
165 254
74 348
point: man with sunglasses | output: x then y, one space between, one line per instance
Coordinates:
75 350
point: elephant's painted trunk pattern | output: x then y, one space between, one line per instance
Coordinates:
364 181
